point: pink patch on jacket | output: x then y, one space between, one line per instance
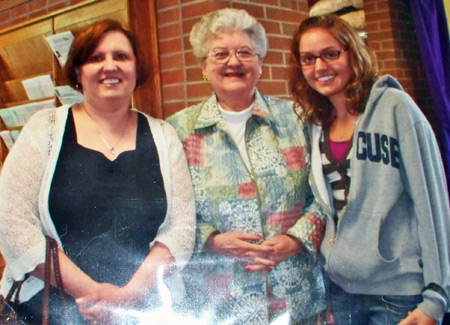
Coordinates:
295 158
247 190
194 148
286 218
317 235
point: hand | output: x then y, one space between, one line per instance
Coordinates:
282 247
418 317
236 244
99 305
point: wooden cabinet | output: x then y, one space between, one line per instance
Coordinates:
24 52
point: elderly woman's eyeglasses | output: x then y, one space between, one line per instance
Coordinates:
242 54
326 56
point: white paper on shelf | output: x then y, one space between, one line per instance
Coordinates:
7 138
60 44
39 87
68 95
19 115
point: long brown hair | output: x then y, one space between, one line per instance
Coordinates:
317 108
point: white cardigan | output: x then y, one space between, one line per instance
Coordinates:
24 192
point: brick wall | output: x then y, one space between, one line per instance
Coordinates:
389 26
392 35
32 9
180 70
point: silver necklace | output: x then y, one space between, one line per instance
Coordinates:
112 149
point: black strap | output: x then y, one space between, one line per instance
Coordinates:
436 287
51 262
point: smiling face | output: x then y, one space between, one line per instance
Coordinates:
109 74
329 79
233 79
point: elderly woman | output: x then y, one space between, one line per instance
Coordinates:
110 184
259 228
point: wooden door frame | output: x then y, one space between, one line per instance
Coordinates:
148 97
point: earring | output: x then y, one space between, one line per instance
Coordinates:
260 73
359 88
205 77
78 86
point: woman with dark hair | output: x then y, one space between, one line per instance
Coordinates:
377 170
109 183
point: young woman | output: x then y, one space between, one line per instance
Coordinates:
376 168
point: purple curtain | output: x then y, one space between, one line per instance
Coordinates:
434 43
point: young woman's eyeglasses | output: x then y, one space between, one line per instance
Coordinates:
242 54
326 56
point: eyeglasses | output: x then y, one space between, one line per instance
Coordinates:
326 56
242 54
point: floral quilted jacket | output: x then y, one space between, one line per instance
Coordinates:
272 198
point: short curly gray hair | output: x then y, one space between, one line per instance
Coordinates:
227 19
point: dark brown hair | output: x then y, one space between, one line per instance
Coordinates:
316 107
87 41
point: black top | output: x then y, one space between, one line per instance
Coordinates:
107 212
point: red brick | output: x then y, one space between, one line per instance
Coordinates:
288 4
19 10
186 43
168 16
18 20
36 5
188 1
172 77
289 29
255 11
173 92
57 7
5 16
377 16
53 2
283 15
189 23
266 73
171 61
382 5
281 73
172 108
274 57
369 7
303 7
381 35
194 74
268 2
278 43
199 91
169 31
170 46
273 87
385 25
162 4
385 55
191 59
271 27
197 8
38 13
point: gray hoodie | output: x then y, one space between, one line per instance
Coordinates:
393 235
